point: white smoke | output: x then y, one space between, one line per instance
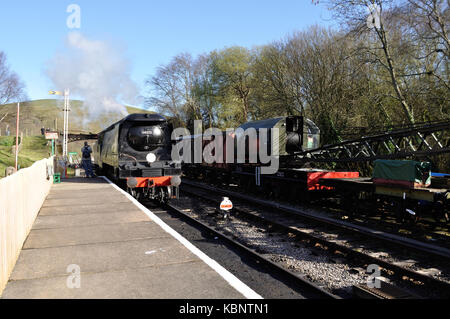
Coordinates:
96 72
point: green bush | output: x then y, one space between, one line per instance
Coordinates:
7 141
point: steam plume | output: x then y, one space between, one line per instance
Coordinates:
95 71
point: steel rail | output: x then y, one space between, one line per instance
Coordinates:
301 285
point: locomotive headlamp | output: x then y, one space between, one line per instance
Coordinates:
175 181
132 182
151 158
157 131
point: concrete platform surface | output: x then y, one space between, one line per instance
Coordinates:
91 235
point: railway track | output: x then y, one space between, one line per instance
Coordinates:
294 223
297 283
408 243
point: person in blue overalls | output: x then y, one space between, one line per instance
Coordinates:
86 160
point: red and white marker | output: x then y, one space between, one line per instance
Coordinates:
226 204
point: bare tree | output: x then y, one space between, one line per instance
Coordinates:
358 15
435 15
171 89
11 87
186 72
277 89
363 74
428 22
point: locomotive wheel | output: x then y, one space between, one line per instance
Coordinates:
165 195
168 193
134 193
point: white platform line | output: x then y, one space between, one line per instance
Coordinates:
237 284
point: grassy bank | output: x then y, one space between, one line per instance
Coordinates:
34 148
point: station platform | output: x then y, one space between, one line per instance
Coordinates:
92 240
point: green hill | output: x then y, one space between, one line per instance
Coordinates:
48 113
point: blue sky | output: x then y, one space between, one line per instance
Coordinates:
149 32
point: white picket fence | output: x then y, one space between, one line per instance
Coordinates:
21 197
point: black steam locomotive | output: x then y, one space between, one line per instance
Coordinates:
136 153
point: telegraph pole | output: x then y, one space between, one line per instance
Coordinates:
65 125
17 135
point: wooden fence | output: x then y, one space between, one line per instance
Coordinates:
21 197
